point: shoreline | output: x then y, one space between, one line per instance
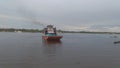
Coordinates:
59 31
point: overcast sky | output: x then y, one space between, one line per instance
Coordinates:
88 15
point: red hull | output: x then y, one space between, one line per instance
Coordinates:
52 37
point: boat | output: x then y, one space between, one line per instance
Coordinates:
58 42
50 33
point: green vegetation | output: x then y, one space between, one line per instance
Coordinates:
60 31
18 30
90 32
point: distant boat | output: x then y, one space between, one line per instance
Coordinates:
50 33
18 31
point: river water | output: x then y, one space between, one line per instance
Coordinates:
28 50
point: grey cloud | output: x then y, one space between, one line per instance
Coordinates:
70 12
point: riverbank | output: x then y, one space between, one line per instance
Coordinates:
18 30
60 31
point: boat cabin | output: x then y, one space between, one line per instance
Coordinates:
49 31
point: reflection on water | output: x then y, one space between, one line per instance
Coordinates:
58 42
28 50
52 48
